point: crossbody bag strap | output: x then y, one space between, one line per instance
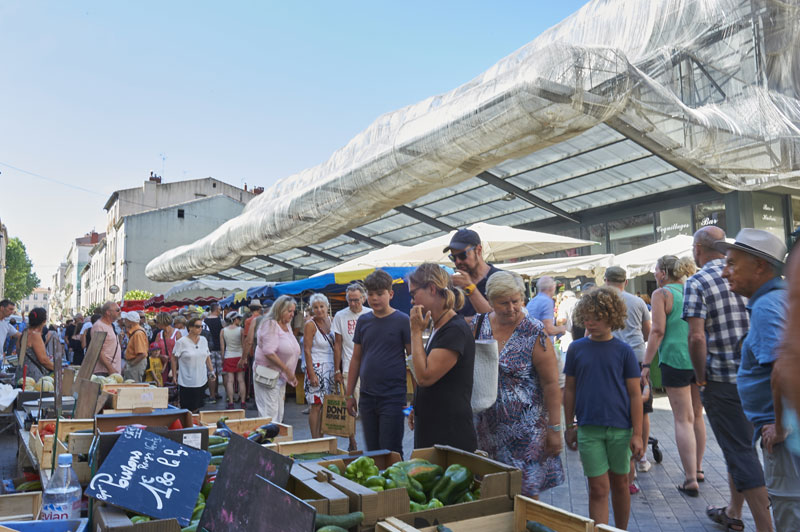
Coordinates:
479 324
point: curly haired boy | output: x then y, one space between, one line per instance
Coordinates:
602 388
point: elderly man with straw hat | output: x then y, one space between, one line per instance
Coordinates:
753 269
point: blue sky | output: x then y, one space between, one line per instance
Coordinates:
92 93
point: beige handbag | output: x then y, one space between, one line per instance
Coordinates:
266 376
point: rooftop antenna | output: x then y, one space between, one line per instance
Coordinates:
163 162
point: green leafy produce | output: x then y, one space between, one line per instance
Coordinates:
454 483
345 521
361 469
433 503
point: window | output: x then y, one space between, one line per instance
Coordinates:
630 233
180 213
768 213
673 222
710 213
35 297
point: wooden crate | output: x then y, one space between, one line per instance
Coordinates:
240 426
67 426
319 445
79 443
43 450
110 388
207 417
20 506
133 398
503 522
526 509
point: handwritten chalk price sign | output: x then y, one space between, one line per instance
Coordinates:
151 475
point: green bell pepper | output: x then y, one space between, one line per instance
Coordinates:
433 503
334 468
454 483
402 480
376 483
426 474
361 469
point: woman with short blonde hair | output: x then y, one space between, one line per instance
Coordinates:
318 349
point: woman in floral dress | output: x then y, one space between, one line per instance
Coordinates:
523 428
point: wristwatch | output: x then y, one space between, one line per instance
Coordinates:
469 289
645 366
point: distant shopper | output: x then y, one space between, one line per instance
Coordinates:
523 428
600 366
634 333
36 360
214 324
279 350
191 362
542 307
110 360
7 331
669 337
137 349
318 349
343 328
444 367
73 334
165 339
381 341
231 343
472 271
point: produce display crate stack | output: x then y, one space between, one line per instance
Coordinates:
73 436
244 426
131 397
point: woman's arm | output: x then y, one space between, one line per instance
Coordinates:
222 341
658 329
544 360
37 343
309 330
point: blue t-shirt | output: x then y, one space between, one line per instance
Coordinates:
542 307
600 370
383 352
768 309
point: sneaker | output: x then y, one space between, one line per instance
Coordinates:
229 406
633 489
644 466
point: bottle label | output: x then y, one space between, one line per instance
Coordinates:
61 512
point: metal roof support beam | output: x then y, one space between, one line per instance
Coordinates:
408 211
322 254
365 239
250 271
524 195
223 277
285 265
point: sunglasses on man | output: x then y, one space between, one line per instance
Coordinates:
461 255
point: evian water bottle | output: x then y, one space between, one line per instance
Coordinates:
62 496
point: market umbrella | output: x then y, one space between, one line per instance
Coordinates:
384 257
643 260
499 242
207 288
593 266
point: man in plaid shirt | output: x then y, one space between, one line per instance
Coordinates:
718 321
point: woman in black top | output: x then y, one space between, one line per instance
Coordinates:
443 368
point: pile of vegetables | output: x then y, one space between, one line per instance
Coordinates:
428 485
199 506
218 443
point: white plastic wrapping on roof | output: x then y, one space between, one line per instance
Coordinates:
709 85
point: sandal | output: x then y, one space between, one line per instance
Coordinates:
719 516
691 492
699 478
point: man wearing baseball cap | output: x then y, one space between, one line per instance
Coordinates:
753 270
472 271
136 351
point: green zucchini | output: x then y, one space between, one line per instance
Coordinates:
216 460
219 449
345 521
216 440
331 528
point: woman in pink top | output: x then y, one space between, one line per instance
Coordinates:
277 349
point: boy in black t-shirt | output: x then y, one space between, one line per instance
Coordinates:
381 340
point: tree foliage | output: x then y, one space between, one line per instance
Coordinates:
20 279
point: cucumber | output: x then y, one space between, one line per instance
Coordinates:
442 528
218 449
345 521
331 528
216 460
535 526
216 440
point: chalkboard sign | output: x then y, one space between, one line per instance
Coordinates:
232 505
151 475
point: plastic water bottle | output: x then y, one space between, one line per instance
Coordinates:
62 496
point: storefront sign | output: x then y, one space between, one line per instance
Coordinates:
768 213
151 475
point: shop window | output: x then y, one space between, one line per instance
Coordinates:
795 212
710 213
673 222
630 233
768 213
595 233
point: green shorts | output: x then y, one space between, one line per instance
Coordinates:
604 448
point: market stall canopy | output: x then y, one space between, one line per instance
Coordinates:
643 260
499 243
622 101
374 259
593 266
207 288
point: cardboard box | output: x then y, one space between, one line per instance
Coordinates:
111 388
159 418
382 458
112 519
20 506
240 426
361 499
322 496
503 522
207 417
134 398
526 509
